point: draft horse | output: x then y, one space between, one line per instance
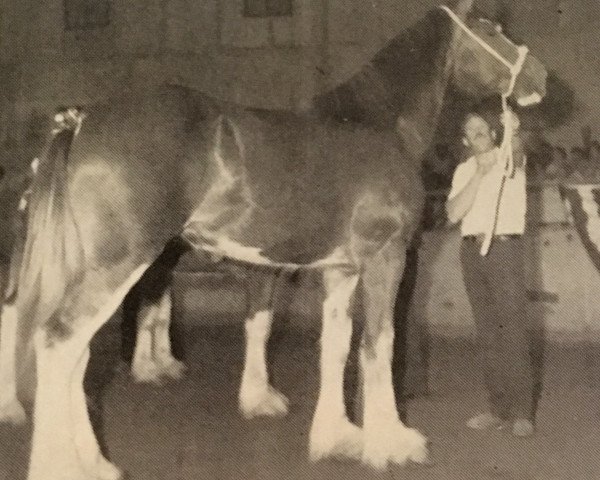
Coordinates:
336 189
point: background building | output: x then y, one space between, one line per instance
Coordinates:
272 53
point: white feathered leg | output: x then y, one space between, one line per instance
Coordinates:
144 368
386 438
257 397
332 434
168 366
63 444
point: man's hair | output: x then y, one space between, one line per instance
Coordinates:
490 110
488 117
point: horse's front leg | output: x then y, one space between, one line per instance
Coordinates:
386 438
257 397
332 434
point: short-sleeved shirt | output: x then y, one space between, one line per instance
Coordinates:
513 203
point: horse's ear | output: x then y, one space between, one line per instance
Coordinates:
463 7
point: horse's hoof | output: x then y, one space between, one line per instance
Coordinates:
338 439
173 370
12 413
268 403
147 373
104 469
394 443
426 461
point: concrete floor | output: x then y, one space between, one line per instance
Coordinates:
191 429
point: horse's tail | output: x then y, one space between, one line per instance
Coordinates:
52 254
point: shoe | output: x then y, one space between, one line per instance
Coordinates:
522 428
485 421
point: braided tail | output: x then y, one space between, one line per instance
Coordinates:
52 254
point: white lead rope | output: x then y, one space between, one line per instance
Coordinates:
509 126
506 150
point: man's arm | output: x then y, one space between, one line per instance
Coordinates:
460 204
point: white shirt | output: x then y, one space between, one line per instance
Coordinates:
513 203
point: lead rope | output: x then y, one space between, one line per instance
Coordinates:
506 149
506 153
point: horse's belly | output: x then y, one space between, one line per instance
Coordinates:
269 239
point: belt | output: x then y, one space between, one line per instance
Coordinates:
479 238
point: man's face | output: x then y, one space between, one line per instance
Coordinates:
478 135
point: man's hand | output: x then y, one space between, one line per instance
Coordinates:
485 162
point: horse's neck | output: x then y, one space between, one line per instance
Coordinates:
418 124
386 87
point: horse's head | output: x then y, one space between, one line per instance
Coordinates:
485 61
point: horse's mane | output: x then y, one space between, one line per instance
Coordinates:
385 86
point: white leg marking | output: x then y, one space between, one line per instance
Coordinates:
11 410
62 446
332 434
256 396
386 438
167 364
144 368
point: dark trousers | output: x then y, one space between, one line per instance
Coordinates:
496 289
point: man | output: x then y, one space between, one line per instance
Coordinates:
495 283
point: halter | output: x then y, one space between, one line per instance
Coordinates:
506 150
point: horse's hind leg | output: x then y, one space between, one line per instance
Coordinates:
64 446
168 365
332 434
257 397
144 368
85 439
11 410
153 359
386 438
